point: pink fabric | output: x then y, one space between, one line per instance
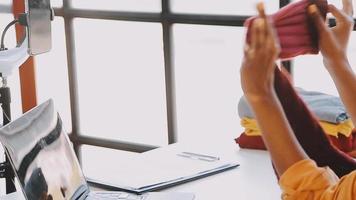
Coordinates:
296 32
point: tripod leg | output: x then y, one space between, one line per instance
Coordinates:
9 179
5 100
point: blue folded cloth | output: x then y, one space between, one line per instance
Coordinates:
326 107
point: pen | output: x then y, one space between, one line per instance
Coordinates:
201 155
196 158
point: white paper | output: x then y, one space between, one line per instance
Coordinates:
156 167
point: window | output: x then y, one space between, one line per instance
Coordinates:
52 74
307 67
163 81
221 7
121 97
207 60
7 4
122 5
56 3
133 75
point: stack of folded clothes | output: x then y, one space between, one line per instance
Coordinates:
328 109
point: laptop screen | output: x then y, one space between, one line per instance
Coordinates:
42 156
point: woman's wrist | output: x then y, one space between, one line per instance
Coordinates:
267 96
335 64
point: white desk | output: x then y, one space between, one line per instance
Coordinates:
253 180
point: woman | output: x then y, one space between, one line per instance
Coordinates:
275 104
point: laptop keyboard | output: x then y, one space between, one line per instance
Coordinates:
113 195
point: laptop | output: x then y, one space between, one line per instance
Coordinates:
46 166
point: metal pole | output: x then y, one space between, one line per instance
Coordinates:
283 3
72 75
169 74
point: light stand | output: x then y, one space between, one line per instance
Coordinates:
36 22
5 168
10 59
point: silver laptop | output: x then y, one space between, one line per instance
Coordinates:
45 164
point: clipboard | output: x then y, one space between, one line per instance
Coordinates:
163 185
163 168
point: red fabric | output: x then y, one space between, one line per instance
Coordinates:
343 143
308 131
250 142
296 31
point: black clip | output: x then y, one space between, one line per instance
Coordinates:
5 170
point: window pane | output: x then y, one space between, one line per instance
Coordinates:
52 74
10 38
93 159
5 7
121 5
226 7
338 3
207 62
56 3
310 73
121 80
6 2
16 102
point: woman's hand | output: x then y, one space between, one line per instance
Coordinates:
333 42
257 79
257 71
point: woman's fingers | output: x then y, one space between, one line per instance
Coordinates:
258 39
261 33
253 43
257 34
340 15
271 36
263 37
262 14
348 7
318 20
261 10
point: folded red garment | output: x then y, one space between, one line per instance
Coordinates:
250 142
296 31
343 143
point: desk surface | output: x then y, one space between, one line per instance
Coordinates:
253 179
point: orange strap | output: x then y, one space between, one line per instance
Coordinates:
27 70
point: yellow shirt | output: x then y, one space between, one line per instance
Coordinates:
305 181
